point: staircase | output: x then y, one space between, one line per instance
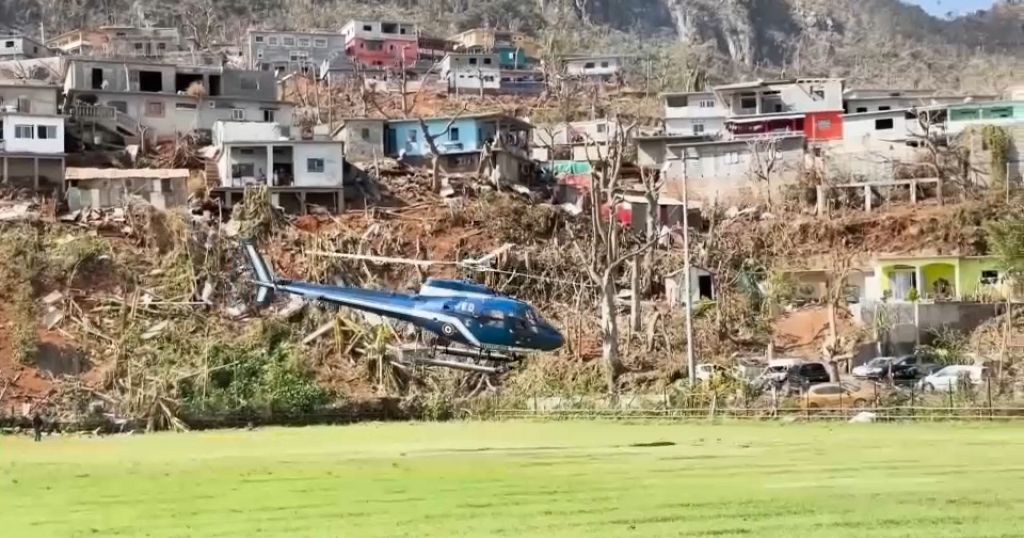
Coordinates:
212 174
106 117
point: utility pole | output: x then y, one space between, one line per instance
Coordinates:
691 359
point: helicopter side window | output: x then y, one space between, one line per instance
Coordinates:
493 318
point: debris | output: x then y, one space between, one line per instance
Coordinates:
864 417
52 318
155 330
522 189
52 297
571 209
320 331
207 294
294 306
236 311
18 212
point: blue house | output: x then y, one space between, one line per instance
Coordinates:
461 141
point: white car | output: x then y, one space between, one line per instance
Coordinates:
948 379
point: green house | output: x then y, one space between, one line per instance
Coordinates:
938 278
1009 111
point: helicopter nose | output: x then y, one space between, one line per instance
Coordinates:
550 339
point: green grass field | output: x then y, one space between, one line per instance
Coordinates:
588 479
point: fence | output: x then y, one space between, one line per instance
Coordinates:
987 401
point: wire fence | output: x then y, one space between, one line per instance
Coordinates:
989 400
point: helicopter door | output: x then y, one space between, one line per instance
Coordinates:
495 328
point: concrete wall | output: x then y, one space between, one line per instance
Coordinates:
35 143
39 100
964 317
359 147
981 156
125 77
723 170
685 126
103 193
246 131
333 157
183 114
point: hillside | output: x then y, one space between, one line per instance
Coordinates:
759 33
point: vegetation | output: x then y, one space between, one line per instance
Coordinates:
563 479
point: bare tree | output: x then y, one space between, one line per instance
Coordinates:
765 161
930 135
435 154
199 17
606 256
652 183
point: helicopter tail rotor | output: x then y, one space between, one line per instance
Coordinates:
263 273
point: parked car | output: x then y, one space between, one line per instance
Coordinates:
794 376
895 368
705 372
845 395
950 378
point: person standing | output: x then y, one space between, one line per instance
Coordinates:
37 426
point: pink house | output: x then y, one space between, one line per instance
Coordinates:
381 43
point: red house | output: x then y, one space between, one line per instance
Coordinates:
381 43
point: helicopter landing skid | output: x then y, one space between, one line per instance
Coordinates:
468 360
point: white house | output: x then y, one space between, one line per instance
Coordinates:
602 67
471 71
694 113
577 141
860 101
32 151
781 96
298 172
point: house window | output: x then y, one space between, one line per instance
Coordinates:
44 132
249 84
707 103
413 135
588 65
304 42
990 278
604 64
259 53
824 125
472 61
732 158
885 124
185 106
601 127
288 41
161 46
884 108
320 43
698 129
487 61
138 46
9 44
272 41
365 134
298 55
748 102
453 134
155 109
817 92
862 109
315 166
237 114
268 115
258 39
367 28
241 170
676 101
23 131
489 78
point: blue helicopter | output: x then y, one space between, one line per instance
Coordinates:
475 327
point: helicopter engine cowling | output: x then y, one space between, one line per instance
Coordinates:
436 287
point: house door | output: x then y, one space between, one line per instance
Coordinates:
707 289
390 142
903 280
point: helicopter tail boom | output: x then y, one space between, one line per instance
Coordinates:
264 275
